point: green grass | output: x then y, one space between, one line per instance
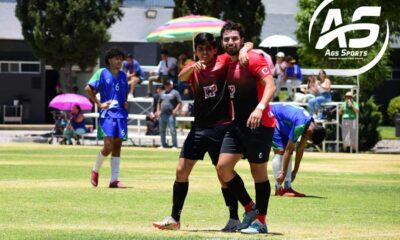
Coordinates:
45 194
388 132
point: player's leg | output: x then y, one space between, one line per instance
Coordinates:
180 190
258 146
121 129
277 167
105 126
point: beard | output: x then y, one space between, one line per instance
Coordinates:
232 51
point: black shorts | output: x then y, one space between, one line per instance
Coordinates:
255 144
201 140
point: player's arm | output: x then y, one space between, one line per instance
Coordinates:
243 57
255 117
187 72
285 161
299 156
94 99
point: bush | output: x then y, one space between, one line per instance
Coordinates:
370 119
393 108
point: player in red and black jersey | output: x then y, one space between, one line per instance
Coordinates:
212 115
251 89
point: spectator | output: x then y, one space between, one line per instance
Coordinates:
75 89
293 76
151 119
323 96
167 108
75 127
349 109
309 92
166 70
59 89
185 111
279 71
183 60
134 73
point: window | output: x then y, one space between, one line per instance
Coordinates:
19 67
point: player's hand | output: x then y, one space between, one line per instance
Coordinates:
293 175
254 120
105 105
199 65
243 57
281 178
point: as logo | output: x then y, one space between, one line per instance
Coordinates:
334 31
209 91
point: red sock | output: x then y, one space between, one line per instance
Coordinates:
261 218
248 207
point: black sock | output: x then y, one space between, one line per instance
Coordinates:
179 194
263 192
231 202
236 186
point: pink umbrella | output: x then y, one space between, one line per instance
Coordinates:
68 100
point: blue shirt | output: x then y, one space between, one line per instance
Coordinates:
133 68
291 120
294 71
113 89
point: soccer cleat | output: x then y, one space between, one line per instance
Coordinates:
169 223
248 218
255 228
231 225
294 193
94 178
116 184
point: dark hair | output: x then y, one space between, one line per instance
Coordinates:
203 39
165 52
318 134
129 55
113 52
232 26
78 107
323 71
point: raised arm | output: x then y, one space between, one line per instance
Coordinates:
243 57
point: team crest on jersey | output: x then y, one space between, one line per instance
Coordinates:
209 91
108 80
232 90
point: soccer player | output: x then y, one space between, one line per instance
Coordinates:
293 123
113 87
251 89
212 118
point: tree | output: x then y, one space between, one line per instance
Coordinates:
67 32
250 14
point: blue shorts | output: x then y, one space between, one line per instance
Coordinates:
114 127
279 141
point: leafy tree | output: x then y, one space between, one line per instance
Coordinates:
67 32
393 108
370 119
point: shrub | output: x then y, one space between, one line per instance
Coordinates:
370 119
393 108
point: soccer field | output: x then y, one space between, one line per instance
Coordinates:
45 193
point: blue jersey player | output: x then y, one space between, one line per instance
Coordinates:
294 124
112 85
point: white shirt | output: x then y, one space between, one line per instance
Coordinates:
164 66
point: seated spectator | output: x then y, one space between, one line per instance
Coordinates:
279 71
166 70
309 92
75 127
133 72
349 109
183 60
323 96
292 76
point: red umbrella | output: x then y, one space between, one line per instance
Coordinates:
68 100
